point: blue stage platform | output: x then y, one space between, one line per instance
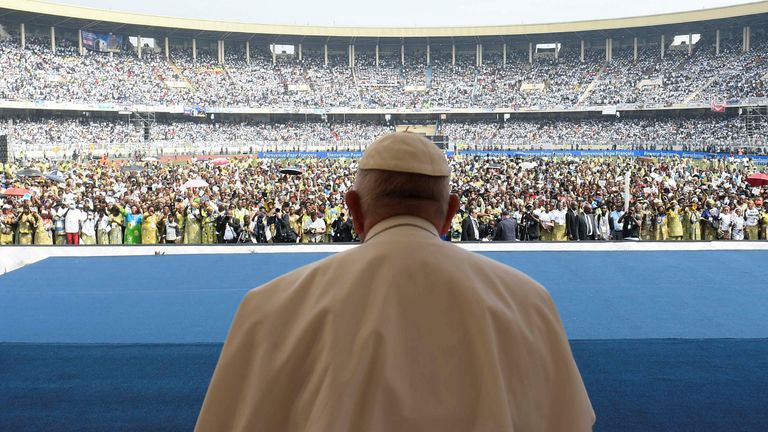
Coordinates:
665 340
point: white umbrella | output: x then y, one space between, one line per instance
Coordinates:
195 183
527 165
150 159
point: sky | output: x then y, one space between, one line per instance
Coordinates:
401 13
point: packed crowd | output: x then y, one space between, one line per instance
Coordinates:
63 136
35 73
251 200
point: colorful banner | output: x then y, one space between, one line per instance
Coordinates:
523 153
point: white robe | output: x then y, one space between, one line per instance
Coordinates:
403 333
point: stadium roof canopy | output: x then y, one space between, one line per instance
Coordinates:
75 17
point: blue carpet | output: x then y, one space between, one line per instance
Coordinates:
635 385
192 298
666 341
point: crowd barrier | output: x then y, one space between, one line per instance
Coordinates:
15 257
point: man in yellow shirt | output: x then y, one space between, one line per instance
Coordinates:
405 332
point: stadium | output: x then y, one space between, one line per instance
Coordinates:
630 153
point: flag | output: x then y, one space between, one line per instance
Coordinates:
717 107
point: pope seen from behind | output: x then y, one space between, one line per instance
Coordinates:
405 332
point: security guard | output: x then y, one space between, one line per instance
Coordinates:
402 333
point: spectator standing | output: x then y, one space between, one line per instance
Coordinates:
506 229
43 228
102 227
193 231
26 225
661 228
342 229
751 220
737 222
228 227
316 228
674 226
132 225
573 222
693 218
116 224
88 231
470 226
725 220
149 226
209 224
617 229
547 224
589 222
7 225
559 219
631 221
73 220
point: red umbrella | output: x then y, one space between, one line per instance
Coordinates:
14 191
758 179
220 161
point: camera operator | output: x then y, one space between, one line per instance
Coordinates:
260 229
631 223
280 220
227 227
342 229
529 224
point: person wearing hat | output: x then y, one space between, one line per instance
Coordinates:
402 333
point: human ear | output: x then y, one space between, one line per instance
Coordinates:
356 210
453 207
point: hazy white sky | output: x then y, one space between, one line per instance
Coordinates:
401 13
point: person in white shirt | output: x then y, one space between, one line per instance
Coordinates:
725 224
751 218
88 230
73 220
171 229
102 228
547 225
737 223
558 218
315 228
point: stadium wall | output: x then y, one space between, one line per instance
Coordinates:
16 257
